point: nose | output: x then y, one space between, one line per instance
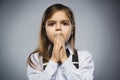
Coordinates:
58 27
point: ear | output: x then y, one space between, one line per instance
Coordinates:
72 32
73 27
44 31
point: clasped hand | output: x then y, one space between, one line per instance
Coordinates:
59 51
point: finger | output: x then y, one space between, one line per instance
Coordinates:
56 37
57 45
61 39
64 49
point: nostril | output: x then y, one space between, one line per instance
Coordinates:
58 29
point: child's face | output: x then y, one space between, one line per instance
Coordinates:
59 23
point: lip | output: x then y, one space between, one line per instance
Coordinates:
58 34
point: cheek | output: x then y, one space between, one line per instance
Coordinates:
50 35
67 35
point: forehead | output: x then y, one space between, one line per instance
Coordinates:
59 15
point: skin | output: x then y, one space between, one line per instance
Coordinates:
58 30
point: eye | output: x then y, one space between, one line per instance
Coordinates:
65 23
51 24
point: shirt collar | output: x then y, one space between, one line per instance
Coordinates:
69 48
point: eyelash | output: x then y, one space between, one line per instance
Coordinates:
63 23
51 24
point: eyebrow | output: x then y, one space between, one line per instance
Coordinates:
55 21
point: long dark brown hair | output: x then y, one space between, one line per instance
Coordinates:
44 43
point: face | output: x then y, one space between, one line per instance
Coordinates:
59 23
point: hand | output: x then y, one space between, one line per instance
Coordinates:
59 51
62 53
56 49
63 56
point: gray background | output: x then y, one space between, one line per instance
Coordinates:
98 29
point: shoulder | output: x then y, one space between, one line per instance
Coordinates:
84 55
35 62
35 57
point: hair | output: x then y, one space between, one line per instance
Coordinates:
43 47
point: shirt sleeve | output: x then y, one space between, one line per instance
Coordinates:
86 67
37 73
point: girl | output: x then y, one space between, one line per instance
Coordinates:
56 57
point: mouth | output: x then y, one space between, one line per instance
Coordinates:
58 34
